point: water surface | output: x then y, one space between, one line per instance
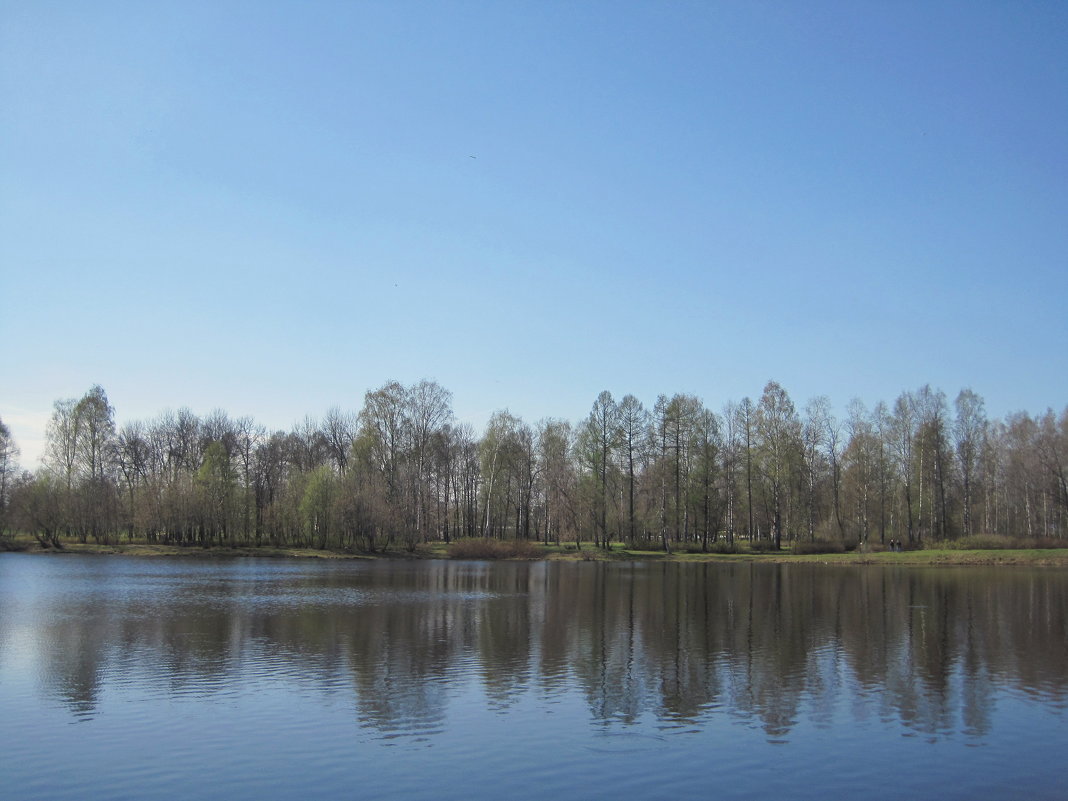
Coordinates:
232 679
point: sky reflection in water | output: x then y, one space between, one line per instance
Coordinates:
259 679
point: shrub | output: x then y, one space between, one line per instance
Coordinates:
493 549
999 542
820 546
722 546
872 546
982 542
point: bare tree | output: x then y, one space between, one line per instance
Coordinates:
780 433
814 429
428 408
704 476
497 452
746 423
969 431
632 435
597 442
675 420
557 471
339 430
883 429
903 427
9 453
133 455
248 435
860 468
1051 442
732 447
218 427
466 479
382 434
64 437
934 448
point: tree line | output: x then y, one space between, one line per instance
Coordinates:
677 475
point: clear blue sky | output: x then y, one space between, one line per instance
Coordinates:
273 207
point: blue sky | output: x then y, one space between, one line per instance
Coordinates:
273 207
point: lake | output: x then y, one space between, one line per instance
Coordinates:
158 678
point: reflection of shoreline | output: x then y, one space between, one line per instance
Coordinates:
1043 557
774 644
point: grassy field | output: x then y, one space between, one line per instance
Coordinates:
1056 557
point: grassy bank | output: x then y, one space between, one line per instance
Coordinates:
1051 557
29 545
481 549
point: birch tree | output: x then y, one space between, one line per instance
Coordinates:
9 453
632 435
597 441
969 432
779 430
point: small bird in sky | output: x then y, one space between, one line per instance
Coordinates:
472 157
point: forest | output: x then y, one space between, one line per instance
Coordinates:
400 472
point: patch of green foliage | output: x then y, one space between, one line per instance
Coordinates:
493 549
819 546
761 546
650 544
723 546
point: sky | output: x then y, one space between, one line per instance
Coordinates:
273 207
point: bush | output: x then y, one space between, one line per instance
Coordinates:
820 546
651 544
982 542
722 546
493 549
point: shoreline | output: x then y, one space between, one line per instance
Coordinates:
1038 557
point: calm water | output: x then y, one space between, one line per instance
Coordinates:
256 679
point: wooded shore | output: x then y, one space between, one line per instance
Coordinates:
402 473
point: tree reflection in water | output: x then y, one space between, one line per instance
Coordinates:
767 644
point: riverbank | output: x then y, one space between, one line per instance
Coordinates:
1047 557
